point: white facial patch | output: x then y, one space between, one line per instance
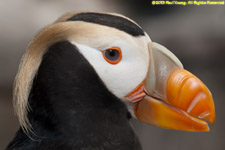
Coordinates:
124 77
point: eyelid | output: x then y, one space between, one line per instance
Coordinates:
115 61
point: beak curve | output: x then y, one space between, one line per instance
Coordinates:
171 97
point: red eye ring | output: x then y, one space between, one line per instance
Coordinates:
112 55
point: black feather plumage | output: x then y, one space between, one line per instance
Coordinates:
71 109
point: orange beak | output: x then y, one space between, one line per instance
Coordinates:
171 97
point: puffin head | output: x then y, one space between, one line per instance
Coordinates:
143 75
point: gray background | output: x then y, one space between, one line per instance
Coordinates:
195 34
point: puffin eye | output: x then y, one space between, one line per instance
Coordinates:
112 55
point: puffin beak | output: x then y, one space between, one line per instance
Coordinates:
171 97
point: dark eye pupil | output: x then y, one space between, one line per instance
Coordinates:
112 54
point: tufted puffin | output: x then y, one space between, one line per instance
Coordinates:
85 76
